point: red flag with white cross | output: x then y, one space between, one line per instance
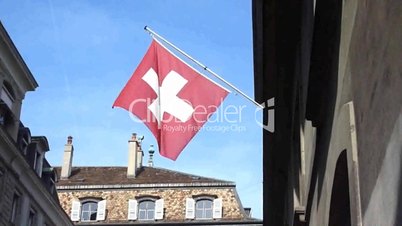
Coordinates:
171 98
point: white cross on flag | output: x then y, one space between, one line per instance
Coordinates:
171 98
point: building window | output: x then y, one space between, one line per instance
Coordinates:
32 218
149 208
203 209
2 180
38 163
89 210
7 95
15 208
7 99
146 210
24 145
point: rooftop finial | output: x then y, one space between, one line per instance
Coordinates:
151 151
69 140
134 136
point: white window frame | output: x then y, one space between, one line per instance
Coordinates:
203 217
216 207
146 210
134 209
87 201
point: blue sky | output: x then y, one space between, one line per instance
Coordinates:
83 52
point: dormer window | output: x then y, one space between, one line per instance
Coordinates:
38 163
23 139
24 144
35 158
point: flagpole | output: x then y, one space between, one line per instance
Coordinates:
204 67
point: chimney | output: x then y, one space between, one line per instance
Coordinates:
133 146
67 158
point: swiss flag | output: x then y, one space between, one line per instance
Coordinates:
171 98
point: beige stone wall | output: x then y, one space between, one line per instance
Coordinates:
174 198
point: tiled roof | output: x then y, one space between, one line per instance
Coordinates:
118 176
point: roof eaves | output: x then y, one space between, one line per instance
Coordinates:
6 37
126 186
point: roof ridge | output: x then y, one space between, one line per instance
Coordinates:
108 175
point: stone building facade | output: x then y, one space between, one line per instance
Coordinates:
334 71
174 198
28 194
144 195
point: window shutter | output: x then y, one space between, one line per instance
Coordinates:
217 208
190 204
132 209
75 211
101 212
159 209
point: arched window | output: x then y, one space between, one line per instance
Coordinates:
203 209
146 210
89 210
